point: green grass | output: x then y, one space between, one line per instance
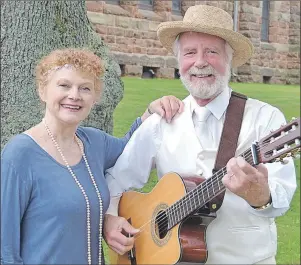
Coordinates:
140 92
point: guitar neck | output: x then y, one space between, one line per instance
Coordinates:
203 193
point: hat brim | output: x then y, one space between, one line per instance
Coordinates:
242 46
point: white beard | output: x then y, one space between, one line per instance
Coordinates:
201 89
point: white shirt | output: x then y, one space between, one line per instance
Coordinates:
169 147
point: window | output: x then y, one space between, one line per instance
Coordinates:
266 79
176 7
146 4
149 72
265 20
177 74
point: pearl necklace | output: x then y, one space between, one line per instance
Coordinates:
83 192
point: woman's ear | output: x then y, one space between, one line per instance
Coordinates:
41 91
98 97
96 101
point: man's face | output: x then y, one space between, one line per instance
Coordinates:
203 65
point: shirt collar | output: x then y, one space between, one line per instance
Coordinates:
217 106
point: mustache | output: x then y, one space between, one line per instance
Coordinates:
206 71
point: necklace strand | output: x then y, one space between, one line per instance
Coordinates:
84 194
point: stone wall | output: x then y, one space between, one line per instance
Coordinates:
278 59
130 33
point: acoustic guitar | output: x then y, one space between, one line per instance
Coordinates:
173 224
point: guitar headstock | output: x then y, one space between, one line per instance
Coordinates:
282 143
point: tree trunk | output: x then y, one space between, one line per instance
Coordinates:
32 29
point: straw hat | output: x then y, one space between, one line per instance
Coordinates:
210 20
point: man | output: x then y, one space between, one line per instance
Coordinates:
244 230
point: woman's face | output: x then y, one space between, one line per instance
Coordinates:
69 95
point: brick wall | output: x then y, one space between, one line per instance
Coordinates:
130 33
279 58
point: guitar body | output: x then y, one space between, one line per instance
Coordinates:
185 242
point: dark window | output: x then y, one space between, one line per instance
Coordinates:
177 74
266 79
176 7
113 2
146 4
122 69
265 20
149 72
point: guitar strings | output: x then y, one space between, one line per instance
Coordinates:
162 220
210 181
205 184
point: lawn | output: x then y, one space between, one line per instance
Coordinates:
140 92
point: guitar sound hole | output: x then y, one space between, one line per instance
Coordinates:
161 224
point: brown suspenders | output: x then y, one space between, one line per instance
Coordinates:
233 120
229 138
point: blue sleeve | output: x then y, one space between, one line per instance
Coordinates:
114 146
15 197
133 128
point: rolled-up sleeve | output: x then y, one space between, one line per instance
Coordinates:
133 167
114 146
15 197
282 178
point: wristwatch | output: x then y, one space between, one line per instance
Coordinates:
269 203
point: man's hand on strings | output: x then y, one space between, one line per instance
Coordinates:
248 182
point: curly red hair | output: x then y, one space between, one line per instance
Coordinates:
82 59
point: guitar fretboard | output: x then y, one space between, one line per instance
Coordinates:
201 195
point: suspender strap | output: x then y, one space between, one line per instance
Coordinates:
231 130
228 143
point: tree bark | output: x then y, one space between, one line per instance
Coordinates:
32 29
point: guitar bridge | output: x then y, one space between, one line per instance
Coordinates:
132 252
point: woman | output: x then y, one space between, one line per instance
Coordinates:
53 191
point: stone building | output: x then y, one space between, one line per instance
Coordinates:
129 29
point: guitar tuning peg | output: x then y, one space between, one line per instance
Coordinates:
283 161
296 156
296 153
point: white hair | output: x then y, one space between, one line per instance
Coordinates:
176 47
229 52
176 50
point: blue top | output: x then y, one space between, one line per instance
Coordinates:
43 212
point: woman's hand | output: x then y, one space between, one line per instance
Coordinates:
167 107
